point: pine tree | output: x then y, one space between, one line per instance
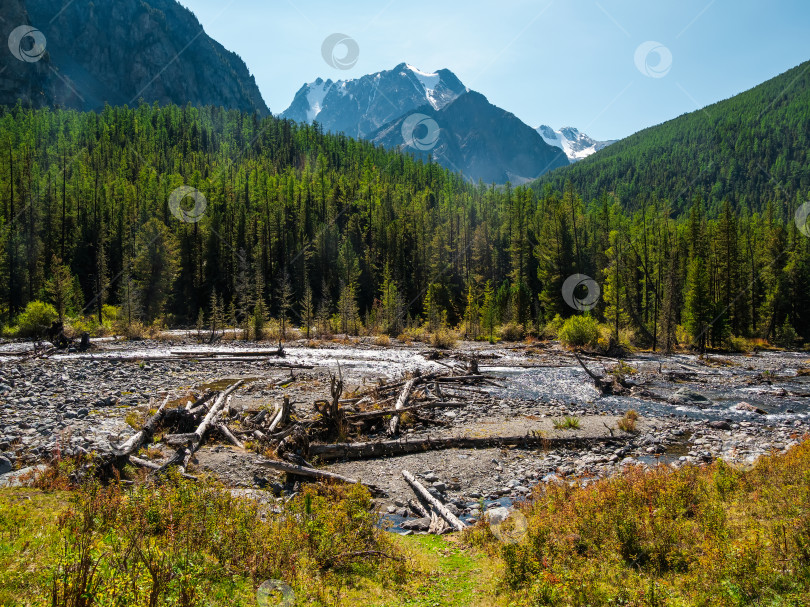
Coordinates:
489 312
391 304
60 287
697 306
324 310
155 267
347 309
285 296
432 308
614 291
307 307
472 312
128 297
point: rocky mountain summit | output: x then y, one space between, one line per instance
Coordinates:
575 144
361 106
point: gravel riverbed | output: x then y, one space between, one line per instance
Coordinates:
693 410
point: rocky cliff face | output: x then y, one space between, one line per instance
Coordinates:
122 52
18 79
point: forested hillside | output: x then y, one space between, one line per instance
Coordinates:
339 234
750 149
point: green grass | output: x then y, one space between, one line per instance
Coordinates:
566 423
451 575
186 544
709 536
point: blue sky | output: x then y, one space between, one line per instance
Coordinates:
556 62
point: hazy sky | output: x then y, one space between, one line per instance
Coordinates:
556 62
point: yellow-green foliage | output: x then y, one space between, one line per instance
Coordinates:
185 543
711 536
512 332
566 423
579 331
34 320
444 338
628 422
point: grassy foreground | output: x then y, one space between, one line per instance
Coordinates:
696 536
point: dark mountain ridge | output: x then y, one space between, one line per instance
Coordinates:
120 53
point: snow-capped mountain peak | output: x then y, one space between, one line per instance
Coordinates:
315 96
430 83
576 145
360 106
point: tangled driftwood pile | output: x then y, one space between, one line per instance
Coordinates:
336 428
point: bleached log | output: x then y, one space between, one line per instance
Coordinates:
144 434
366 415
393 425
440 508
373 449
229 435
183 457
283 415
321 475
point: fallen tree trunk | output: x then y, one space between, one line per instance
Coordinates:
183 457
226 432
418 508
420 490
383 412
145 463
283 415
321 475
144 434
335 451
229 353
393 425
604 385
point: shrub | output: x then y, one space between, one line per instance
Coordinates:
444 338
162 544
418 333
579 331
628 422
35 319
512 332
382 340
698 535
737 344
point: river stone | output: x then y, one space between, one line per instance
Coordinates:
5 465
416 524
497 515
685 396
743 406
12 479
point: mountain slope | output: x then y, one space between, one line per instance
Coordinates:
576 145
359 107
124 51
477 138
750 148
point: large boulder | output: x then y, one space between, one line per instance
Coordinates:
497 515
743 406
688 397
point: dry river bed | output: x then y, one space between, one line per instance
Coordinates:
690 410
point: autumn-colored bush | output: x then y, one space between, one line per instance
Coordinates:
712 535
